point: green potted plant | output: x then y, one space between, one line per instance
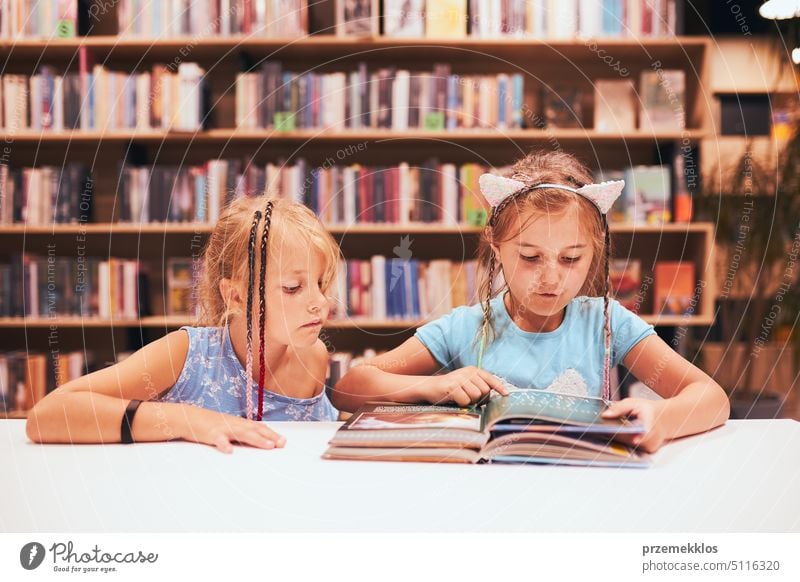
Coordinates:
756 214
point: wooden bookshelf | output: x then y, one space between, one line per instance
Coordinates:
312 47
182 228
457 136
544 61
14 415
174 322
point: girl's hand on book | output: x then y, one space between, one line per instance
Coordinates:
463 386
645 412
222 430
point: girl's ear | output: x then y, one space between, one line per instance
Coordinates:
231 295
496 252
494 247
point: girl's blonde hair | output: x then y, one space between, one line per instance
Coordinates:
227 251
505 222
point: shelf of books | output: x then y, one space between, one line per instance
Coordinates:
655 272
488 136
127 126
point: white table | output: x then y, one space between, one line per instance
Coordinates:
742 477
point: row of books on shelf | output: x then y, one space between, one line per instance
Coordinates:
46 195
619 106
675 290
409 18
341 195
387 98
399 99
99 99
511 18
255 18
38 18
660 103
47 287
164 19
395 288
379 288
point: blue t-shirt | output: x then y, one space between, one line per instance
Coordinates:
213 378
568 359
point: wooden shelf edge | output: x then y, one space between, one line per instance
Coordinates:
455 136
176 228
14 415
347 324
330 41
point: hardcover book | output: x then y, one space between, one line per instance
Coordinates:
626 283
527 426
614 106
674 287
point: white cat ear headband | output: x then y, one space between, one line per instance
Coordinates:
496 189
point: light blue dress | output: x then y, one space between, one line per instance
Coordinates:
213 378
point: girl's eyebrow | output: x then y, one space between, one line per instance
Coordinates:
526 244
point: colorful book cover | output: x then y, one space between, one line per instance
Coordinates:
182 279
357 17
613 17
404 18
446 18
648 190
674 283
563 106
626 282
663 105
614 106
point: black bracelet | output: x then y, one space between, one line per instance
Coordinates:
127 422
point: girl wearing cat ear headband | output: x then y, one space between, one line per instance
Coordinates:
551 324
500 192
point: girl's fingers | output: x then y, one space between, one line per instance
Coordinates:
472 390
263 430
269 434
621 408
460 397
482 385
253 437
493 382
223 444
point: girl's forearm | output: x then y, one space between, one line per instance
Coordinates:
699 407
89 417
367 382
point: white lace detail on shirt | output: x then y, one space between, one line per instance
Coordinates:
569 382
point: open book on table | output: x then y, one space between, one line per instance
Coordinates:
527 426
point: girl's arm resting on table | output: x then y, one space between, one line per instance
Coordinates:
405 374
90 409
693 401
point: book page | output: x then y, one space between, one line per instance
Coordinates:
402 416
